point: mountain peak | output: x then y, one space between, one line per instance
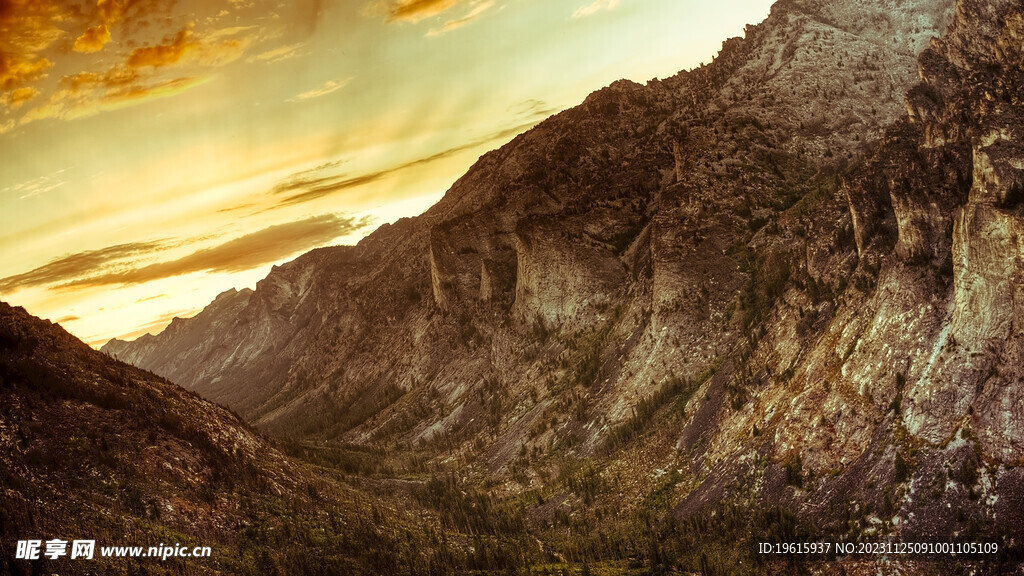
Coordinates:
789 276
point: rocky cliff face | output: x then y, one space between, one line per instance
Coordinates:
791 277
632 199
911 381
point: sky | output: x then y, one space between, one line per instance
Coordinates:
154 153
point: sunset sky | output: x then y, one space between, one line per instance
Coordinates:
154 153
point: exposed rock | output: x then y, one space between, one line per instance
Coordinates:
773 275
561 277
620 225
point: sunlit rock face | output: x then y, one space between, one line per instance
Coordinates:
562 278
630 229
816 244
972 83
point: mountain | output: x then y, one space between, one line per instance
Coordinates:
91 448
776 298
629 202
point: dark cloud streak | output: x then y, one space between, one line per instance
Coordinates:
416 10
244 253
119 264
77 265
303 187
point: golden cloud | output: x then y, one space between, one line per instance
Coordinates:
18 97
216 49
410 10
266 246
110 10
31 26
77 265
162 54
96 37
143 75
26 29
92 40
457 23
113 78
141 72
16 71
221 52
414 11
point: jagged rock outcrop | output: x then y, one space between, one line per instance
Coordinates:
967 113
635 200
912 379
561 278
794 274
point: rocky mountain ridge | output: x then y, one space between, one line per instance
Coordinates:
770 282
595 202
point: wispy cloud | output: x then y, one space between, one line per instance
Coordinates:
74 266
311 185
150 298
37 186
116 93
266 246
328 87
412 10
135 94
278 54
457 23
532 109
594 7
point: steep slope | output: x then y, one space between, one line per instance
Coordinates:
191 334
91 448
880 397
686 317
616 225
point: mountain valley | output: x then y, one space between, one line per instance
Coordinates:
777 298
